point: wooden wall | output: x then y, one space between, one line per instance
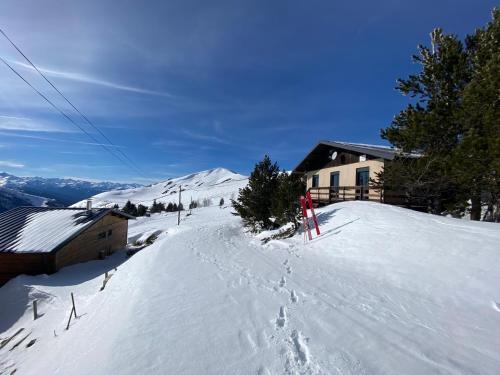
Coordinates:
13 264
86 246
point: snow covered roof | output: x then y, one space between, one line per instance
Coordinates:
379 151
45 229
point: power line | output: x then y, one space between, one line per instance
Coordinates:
60 111
70 103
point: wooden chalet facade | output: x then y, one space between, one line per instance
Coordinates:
339 171
37 240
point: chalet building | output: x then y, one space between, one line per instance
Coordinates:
336 171
37 240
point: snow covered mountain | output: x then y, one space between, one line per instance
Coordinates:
383 290
60 191
211 184
12 198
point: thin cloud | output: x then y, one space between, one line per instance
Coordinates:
8 122
49 139
205 137
10 164
79 77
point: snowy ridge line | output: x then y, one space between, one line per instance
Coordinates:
197 190
211 184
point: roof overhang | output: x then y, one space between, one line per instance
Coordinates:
319 153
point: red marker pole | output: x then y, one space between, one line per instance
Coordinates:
315 220
305 218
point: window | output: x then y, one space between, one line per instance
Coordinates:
101 235
315 181
362 176
110 232
334 179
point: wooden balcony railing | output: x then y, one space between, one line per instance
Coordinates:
332 194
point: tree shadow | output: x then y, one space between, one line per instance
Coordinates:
323 217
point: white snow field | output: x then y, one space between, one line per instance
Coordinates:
212 184
383 290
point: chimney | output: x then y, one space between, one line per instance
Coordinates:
89 204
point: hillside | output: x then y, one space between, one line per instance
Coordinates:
211 184
12 198
61 191
384 290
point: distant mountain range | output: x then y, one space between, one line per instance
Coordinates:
36 191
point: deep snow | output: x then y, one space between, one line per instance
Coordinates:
384 290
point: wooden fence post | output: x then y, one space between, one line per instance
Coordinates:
73 300
35 312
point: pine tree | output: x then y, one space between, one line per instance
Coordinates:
141 210
255 200
170 207
453 124
477 157
286 205
221 202
130 208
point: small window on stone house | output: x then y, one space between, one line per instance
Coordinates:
101 235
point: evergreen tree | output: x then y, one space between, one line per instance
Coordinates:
221 202
286 205
174 207
477 157
180 207
130 208
157 207
116 207
170 207
453 123
255 200
141 210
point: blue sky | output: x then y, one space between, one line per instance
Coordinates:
182 86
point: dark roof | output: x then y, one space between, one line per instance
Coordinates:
46 229
379 151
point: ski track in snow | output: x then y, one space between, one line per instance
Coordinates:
209 298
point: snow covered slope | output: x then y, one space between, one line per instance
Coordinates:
384 290
211 184
12 198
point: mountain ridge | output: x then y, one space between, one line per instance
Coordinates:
210 184
16 190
